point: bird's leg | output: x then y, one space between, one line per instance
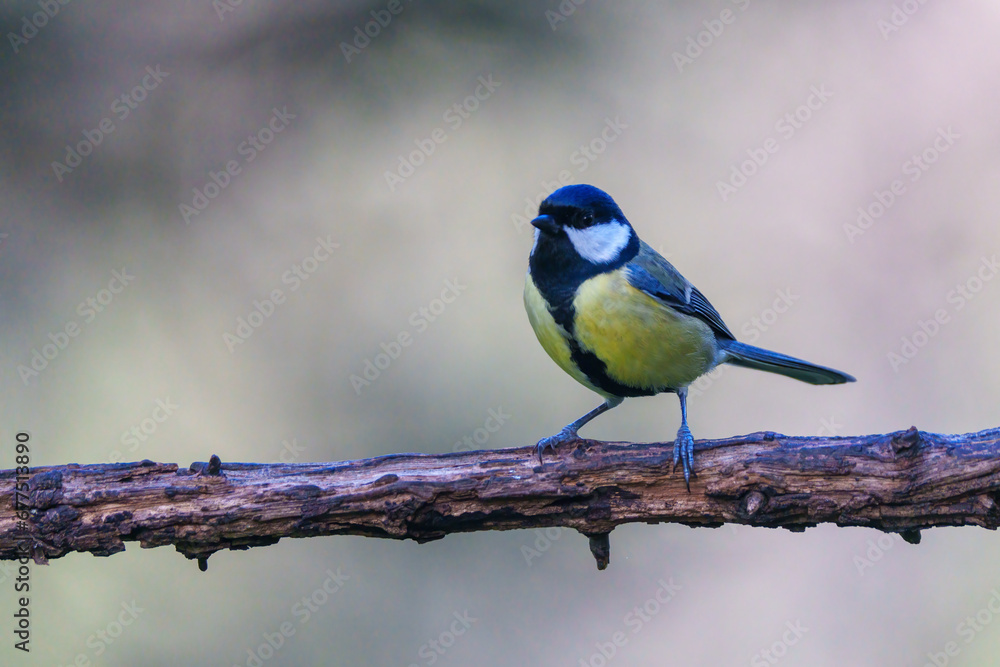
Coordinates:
684 444
569 431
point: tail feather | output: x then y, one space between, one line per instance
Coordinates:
748 356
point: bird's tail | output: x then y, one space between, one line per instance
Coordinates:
748 356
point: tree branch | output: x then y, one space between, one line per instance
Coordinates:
898 482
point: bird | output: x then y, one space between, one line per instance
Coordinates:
622 321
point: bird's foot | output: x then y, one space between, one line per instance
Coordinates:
553 441
684 453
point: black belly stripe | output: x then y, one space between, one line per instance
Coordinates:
558 282
597 372
593 366
588 362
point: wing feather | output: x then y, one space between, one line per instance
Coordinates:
650 272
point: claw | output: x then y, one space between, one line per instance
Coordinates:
569 431
554 441
542 445
684 453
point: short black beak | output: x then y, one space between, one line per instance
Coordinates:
546 224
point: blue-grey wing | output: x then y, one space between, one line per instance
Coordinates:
657 277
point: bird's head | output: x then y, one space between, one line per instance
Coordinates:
585 222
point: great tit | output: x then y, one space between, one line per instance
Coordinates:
622 321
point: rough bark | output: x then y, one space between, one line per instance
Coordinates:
899 482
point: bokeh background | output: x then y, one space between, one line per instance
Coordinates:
657 103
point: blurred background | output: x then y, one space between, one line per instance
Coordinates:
216 215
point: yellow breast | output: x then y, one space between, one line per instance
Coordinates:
642 342
552 336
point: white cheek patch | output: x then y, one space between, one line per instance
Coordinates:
600 243
537 233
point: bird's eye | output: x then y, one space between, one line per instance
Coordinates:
586 219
